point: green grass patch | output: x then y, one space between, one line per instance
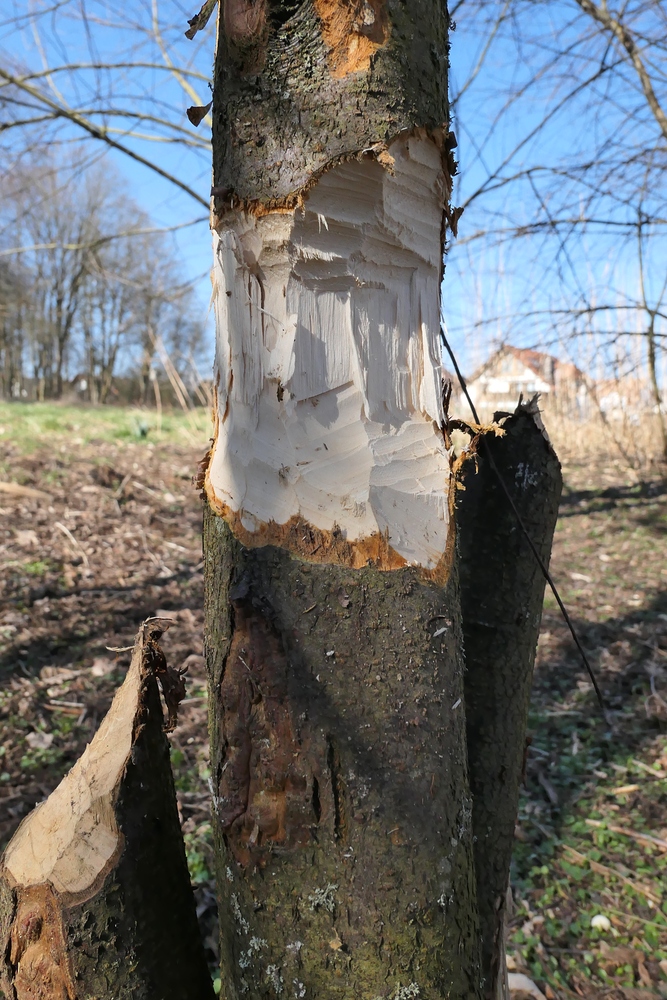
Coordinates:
30 425
37 568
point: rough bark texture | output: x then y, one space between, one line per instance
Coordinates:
502 590
300 85
338 755
133 934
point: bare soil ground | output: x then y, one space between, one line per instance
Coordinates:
596 793
116 538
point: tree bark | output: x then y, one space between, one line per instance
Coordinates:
502 589
95 896
301 86
338 749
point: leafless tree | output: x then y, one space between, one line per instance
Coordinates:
85 275
128 93
561 115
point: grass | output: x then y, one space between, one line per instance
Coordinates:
579 868
634 440
585 778
31 425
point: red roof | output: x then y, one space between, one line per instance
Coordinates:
542 364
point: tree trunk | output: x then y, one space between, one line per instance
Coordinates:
95 897
655 389
502 589
338 745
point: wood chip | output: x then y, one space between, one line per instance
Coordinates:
625 789
74 712
520 985
645 837
335 943
15 489
649 770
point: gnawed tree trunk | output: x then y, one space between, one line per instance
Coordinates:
333 639
95 896
338 746
333 635
502 588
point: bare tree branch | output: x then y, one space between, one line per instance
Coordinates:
601 14
98 133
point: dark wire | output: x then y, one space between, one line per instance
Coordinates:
540 561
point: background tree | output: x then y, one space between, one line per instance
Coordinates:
76 79
549 253
563 182
116 83
87 278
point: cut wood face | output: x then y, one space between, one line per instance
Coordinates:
71 839
329 403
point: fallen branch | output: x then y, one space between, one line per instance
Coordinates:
78 547
599 869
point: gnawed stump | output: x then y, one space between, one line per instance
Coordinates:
95 896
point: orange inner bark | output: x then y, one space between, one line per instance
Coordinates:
353 32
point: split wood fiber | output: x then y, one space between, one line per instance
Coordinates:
95 895
332 176
329 400
502 590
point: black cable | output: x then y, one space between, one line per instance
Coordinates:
540 561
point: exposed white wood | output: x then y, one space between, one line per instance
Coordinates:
328 360
69 840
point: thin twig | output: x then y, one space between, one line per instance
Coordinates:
607 871
625 832
15 489
77 545
182 80
98 133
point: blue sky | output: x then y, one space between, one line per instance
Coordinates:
555 137
527 127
